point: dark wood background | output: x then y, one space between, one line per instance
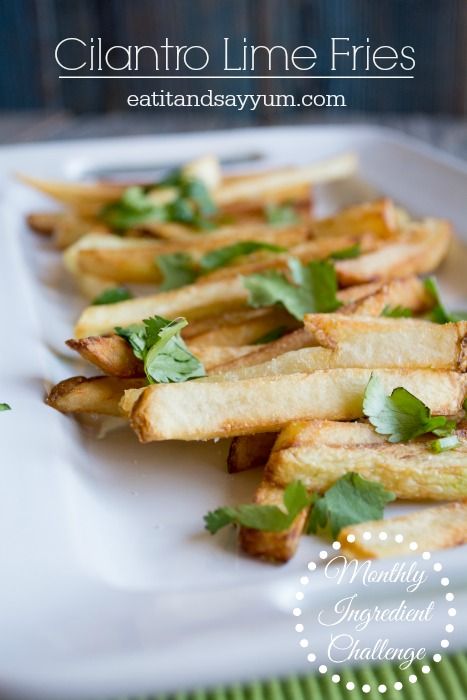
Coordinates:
30 30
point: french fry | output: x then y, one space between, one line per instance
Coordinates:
301 338
95 395
381 218
305 252
43 222
276 547
322 452
247 331
133 259
431 529
270 184
361 341
249 451
114 356
193 301
111 354
365 299
371 299
202 410
356 341
88 199
417 250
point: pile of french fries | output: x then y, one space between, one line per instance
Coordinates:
292 406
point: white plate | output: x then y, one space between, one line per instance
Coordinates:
109 585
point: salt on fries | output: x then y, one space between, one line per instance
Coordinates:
289 387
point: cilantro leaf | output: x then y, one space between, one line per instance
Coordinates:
401 415
314 289
319 279
5 407
158 344
177 269
132 209
445 443
352 499
223 256
396 312
439 313
262 517
193 205
112 296
271 335
352 251
281 215
271 287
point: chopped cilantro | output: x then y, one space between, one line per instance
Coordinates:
157 342
281 214
352 499
445 443
314 290
439 313
396 312
112 296
262 517
352 251
401 416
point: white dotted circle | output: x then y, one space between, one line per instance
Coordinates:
304 642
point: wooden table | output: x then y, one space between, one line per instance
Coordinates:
447 133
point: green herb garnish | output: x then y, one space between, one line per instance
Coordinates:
401 416
396 312
223 256
5 407
352 251
446 443
179 269
314 289
157 342
193 205
352 499
262 517
112 296
281 215
439 313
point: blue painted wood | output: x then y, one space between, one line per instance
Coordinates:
30 30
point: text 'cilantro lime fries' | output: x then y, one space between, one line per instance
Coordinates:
334 367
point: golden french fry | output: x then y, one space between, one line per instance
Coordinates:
359 341
322 452
381 218
434 528
95 395
249 451
193 301
249 328
270 184
202 410
273 546
301 338
305 252
43 222
111 354
416 250
89 199
134 259
371 299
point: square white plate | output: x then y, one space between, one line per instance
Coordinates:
109 585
